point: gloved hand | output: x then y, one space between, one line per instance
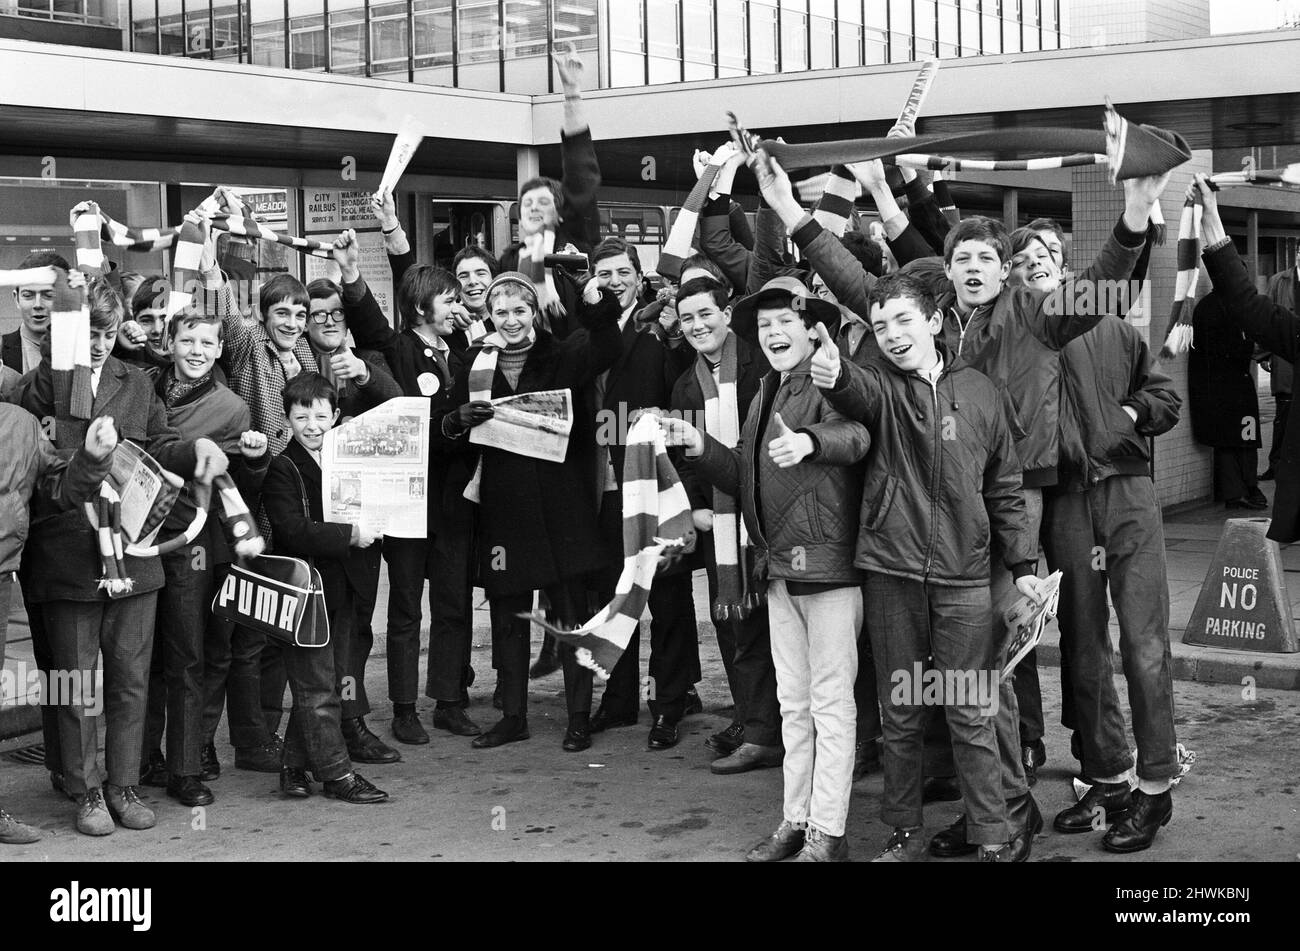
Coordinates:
472 414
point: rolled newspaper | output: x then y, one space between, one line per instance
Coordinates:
906 124
408 140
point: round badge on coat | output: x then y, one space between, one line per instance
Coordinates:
428 383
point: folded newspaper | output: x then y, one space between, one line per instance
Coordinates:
146 491
529 424
1026 619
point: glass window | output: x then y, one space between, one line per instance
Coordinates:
431 42
794 36
924 11
1011 36
733 37
948 20
198 42
850 33
875 48
478 45
900 48
576 22
626 69
970 28
900 17
762 38
389 39
348 37
822 43
527 67
306 34
268 42
697 35
662 33
877 14
171 28
991 38
144 28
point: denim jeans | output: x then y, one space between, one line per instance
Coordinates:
1118 520
947 629
176 671
232 680
122 630
1009 719
815 652
314 737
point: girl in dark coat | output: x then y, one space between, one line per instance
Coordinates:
537 519
1223 403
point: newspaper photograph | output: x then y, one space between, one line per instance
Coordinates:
146 495
529 424
374 469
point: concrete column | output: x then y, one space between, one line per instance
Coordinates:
528 164
1010 208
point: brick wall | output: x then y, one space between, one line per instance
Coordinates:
1183 468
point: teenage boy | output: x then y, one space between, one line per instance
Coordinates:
796 471
1112 403
942 498
719 388
292 496
642 378
424 364
63 571
197 405
31 465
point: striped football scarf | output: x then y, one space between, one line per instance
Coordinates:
656 520
905 125
678 246
835 206
481 374
1178 339
1130 151
722 421
1289 175
532 258
69 338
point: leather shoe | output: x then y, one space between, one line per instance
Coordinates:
1137 831
188 791
602 721
952 842
693 703
506 730
1026 821
154 771
940 789
1114 798
726 742
786 841
904 845
356 789
455 720
1032 756
259 759
408 729
820 847
663 734
293 782
578 736
15 832
748 756
209 765
364 746
125 805
866 759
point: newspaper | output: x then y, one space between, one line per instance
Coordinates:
530 424
1026 620
375 469
147 496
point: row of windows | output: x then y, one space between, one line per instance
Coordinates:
504 45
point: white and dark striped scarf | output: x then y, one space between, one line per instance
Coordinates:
656 525
678 246
481 374
735 600
1178 339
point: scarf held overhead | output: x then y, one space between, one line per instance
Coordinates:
656 524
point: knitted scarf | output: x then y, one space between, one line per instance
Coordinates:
532 257
70 350
1130 151
835 206
678 246
722 421
656 520
1288 175
1178 339
481 374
